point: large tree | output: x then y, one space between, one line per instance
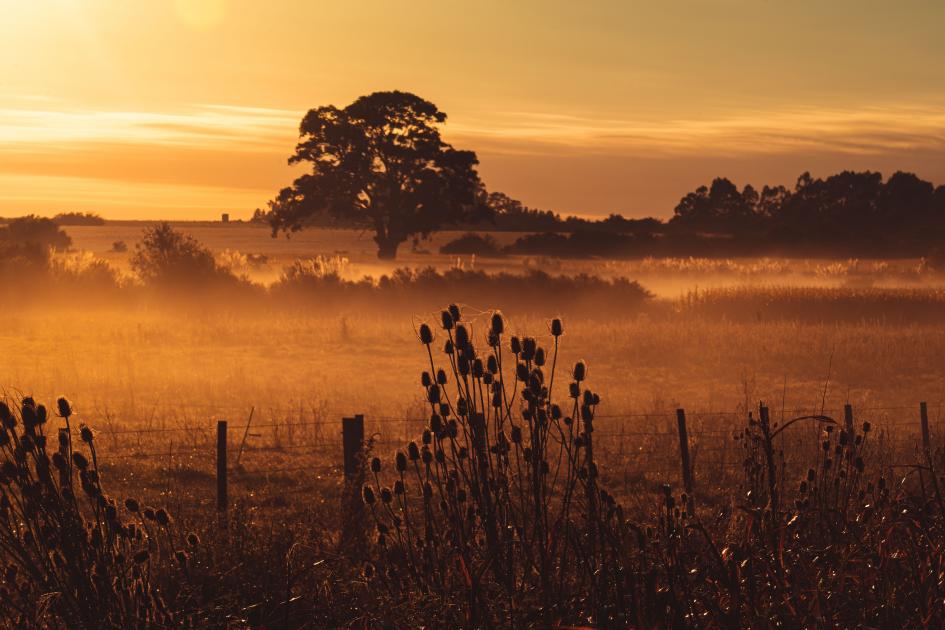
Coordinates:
380 163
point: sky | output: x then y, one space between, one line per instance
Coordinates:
183 109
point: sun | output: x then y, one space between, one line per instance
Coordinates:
200 14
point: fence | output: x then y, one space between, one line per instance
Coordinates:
688 444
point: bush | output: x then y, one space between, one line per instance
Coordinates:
78 218
170 259
119 247
473 244
35 231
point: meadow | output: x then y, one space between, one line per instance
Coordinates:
802 337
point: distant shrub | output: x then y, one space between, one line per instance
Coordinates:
168 258
119 247
38 231
78 218
582 244
473 244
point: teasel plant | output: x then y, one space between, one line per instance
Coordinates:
500 498
75 556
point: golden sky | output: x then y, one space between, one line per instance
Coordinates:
188 108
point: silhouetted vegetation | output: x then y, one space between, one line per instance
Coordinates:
78 218
167 258
380 164
473 244
33 231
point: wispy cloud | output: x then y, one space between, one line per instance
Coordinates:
866 130
203 126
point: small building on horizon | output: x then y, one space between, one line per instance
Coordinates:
225 218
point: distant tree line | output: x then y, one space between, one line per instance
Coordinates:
847 214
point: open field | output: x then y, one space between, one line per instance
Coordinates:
152 376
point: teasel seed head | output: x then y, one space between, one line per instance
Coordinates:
441 377
540 357
65 409
386 495
556 328
529 345
455 313
367 494
401 461
80 461
867 426
426 335
162 517
413 451
86 434
132 505
461 337
193 540
433 394
6 416
498 324
521 372
427 437
376 465
425 380
447 320
516 435
574 390
492 339
580 371
436 423
515 345
399 487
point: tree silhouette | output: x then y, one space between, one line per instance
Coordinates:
380 163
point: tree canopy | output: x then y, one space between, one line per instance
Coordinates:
380 163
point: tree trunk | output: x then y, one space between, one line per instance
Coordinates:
387 248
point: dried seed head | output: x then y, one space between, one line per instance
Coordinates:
401 461
866 427
6 416
492 364
515 345
433 394
441 377
521 372
556 327
426 335
399 487
447 320
376 465
454 312
80 461
162 517
461 337
425 380
65 409
367 494
574 390
580 371
132 505
427 436
448 347
386 495
540 357
193 540
413 451
516 435
498 324
86 434
529 345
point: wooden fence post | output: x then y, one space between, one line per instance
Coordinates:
924 418
222 498
848 420
684 454
352 434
